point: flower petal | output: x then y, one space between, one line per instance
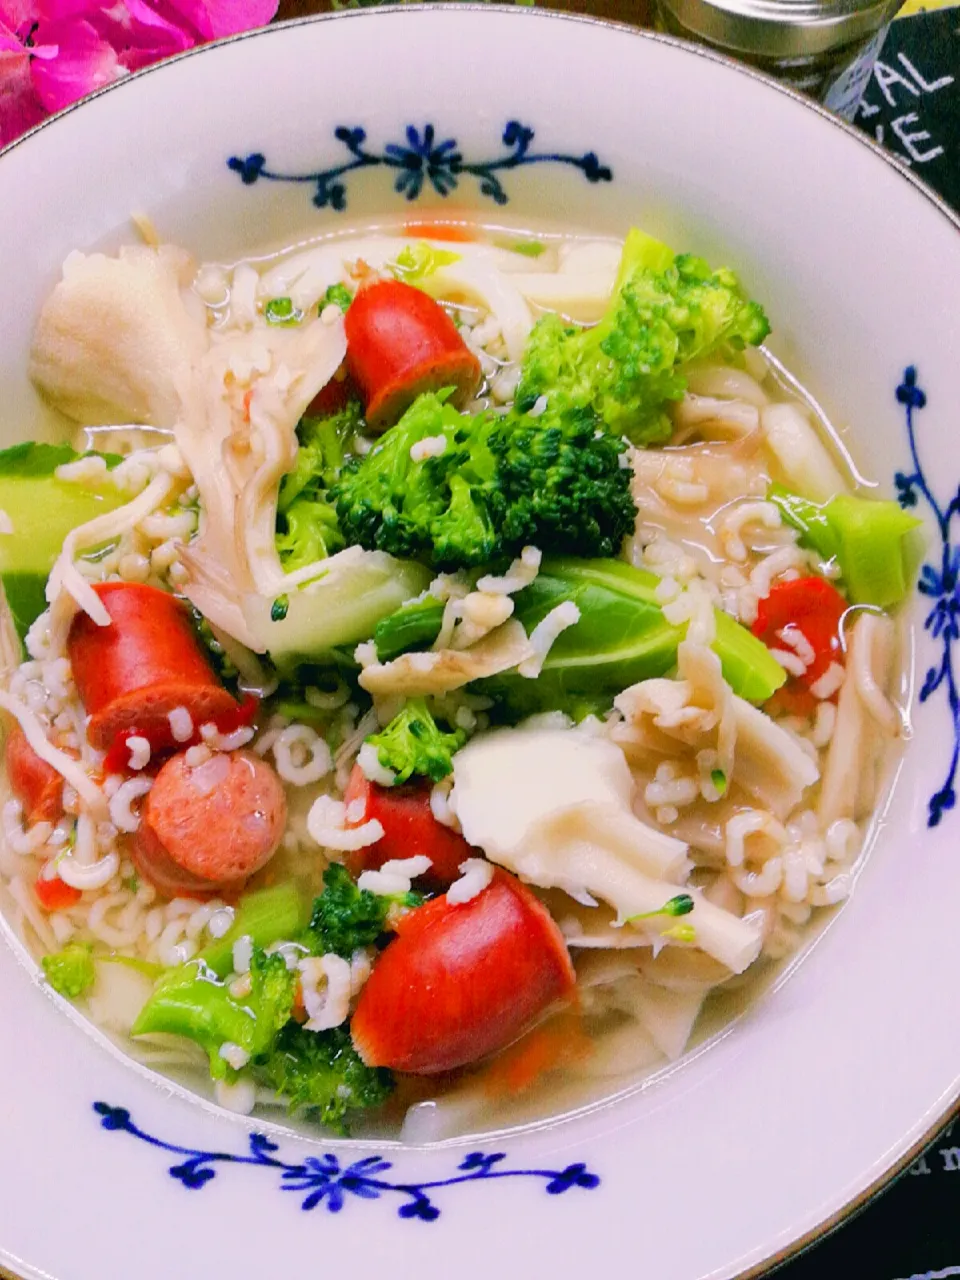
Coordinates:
20 108
227 17
49 11
17 15
142 34
188 15
85 62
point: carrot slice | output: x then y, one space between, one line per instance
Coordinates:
56 894
456 232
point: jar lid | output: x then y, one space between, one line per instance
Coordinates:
782 28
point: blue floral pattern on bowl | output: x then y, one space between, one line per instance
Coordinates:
325 1181
420 161
941 583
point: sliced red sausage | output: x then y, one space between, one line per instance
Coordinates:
409 829
147 663
460 982
36 784
401 343
333 397
208 829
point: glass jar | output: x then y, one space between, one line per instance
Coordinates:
825 48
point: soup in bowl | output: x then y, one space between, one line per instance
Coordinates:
460 599
477 654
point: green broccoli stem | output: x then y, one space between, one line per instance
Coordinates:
414 626
640 252
193 1001
264 916
869 539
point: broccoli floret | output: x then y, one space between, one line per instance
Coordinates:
413 743
502 481
71 972
666 311
432 509
321 1071
562 484
345 918
307 525
271 992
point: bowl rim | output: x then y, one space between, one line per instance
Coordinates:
523 12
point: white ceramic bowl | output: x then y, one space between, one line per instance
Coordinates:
832 1079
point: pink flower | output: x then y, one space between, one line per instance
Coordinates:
53 52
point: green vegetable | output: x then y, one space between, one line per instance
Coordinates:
146 967
412 743
337 295
322 1072
414 626
293 708
666 311
529 248
328 616
193 1001
282 311
278 610
503 481
681 933
220 660
719 780
870 540
747 665
622 637
265 916
307 525
30 460
71 972
345 917
681 905
417 261
42 510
